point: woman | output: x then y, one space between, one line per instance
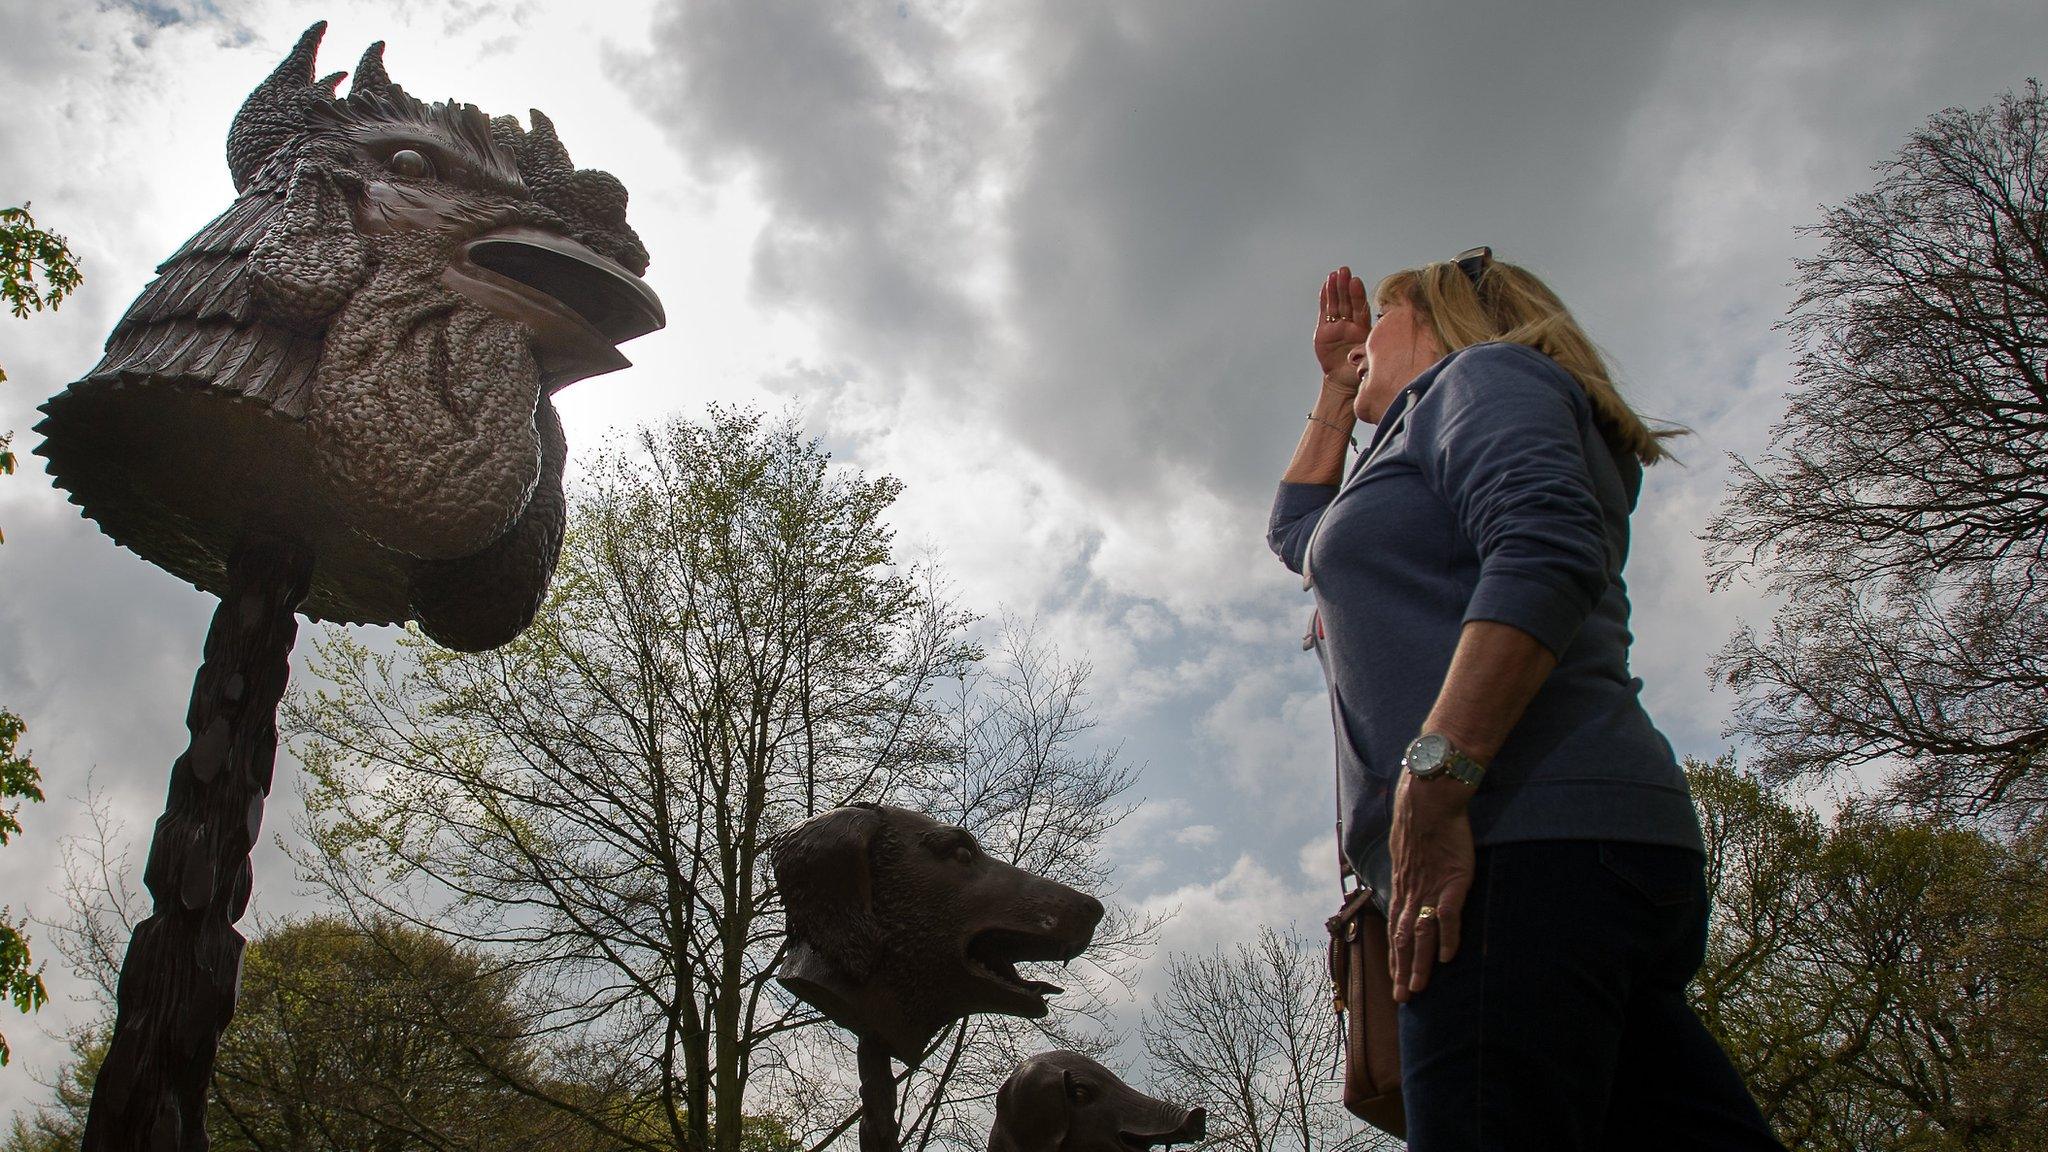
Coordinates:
1501 784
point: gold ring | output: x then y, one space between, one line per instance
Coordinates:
1426 912
1332 319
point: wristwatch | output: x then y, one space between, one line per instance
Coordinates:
1430 755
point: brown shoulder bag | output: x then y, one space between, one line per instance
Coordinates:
1364 998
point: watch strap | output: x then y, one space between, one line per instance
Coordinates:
1463 768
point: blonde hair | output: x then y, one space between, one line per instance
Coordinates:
1509 303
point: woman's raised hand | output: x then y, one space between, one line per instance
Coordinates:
1343 318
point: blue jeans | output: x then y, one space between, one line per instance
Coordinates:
1563 1023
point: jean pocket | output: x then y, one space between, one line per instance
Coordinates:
1666 876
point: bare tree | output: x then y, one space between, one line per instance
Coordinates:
1250 1035
101 903
101 909
729 649
1018 777
1902 509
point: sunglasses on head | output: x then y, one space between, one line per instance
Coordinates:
1474 262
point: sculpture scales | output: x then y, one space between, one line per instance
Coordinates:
333 399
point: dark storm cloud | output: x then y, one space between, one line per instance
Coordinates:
867 144
1195 169
1164 167
1162 185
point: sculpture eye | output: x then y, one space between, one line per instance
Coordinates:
408 163
1079 1092
953 844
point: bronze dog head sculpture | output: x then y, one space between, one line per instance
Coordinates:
1065 1102
900 925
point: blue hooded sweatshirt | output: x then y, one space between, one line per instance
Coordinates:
1487 493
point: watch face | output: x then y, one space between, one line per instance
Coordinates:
1427 754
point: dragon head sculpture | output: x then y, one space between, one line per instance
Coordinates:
359 353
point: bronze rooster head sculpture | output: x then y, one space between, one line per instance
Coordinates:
359 354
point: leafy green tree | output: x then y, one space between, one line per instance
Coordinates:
1882 982
21 978
372 1037
60 1126
37 271
725 649
1902 509
375 1037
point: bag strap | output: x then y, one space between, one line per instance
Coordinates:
1385 436
1343 864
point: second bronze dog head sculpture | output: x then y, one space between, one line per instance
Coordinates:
900 925
1065 1102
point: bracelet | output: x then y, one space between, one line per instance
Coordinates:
1332 427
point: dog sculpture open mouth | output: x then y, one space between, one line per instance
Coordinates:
899 925
994 954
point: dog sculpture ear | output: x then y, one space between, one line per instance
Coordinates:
1033 1112
827 882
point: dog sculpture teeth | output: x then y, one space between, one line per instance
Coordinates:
998 952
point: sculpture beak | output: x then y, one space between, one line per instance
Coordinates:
579 305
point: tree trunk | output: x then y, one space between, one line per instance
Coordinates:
697 1068
183 969
730 1092
733 936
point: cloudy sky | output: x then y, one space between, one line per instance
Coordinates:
1054 265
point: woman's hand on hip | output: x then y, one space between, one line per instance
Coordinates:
1431 844
1343 319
